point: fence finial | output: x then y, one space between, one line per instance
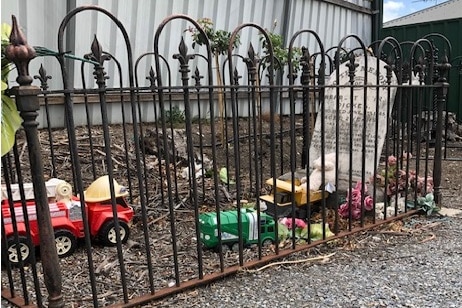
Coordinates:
20 53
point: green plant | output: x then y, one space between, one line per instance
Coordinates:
219 42
11 121
219 39
174 116
279 51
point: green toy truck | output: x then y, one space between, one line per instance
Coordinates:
229 229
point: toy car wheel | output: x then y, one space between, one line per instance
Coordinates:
25 249
267 243
224 248
66 243
108 235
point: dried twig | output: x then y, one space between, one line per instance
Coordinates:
431 237
389 232
163 216
428 226
319 258
104 154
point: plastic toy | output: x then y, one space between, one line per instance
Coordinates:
282 195
66 217
229 229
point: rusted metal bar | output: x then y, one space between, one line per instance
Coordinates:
20 53
15 300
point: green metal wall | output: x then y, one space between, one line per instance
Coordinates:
451 29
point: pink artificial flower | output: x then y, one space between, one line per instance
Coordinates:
392 160
287 221
343 210
368 203
356 213
421 183
430 184
355 196
300 223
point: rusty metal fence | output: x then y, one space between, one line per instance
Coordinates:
224 171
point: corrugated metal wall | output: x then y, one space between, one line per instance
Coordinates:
452 30
330 21
40 20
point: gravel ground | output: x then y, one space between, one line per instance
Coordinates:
420 267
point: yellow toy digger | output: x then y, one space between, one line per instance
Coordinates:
279 201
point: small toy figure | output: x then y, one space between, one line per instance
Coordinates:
63 192
100 190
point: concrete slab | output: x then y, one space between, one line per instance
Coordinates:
450 212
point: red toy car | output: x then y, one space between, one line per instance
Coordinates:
66 217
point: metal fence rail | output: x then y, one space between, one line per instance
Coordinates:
215 172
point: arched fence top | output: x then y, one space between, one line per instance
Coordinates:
251 53
306 52
182 46
95 45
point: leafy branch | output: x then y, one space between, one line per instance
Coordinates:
219 42
279 51
219 39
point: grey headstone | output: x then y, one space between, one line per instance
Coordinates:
343 142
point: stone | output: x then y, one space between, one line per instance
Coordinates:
362 144
445 211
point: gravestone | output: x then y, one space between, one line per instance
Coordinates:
355 95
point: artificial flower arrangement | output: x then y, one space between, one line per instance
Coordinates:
398 181
356 197
287 224
401 186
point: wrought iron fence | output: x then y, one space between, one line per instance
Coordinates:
279 157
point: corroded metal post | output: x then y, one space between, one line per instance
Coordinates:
441 92
28 104
307 123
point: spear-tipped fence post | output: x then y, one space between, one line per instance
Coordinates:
27 102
